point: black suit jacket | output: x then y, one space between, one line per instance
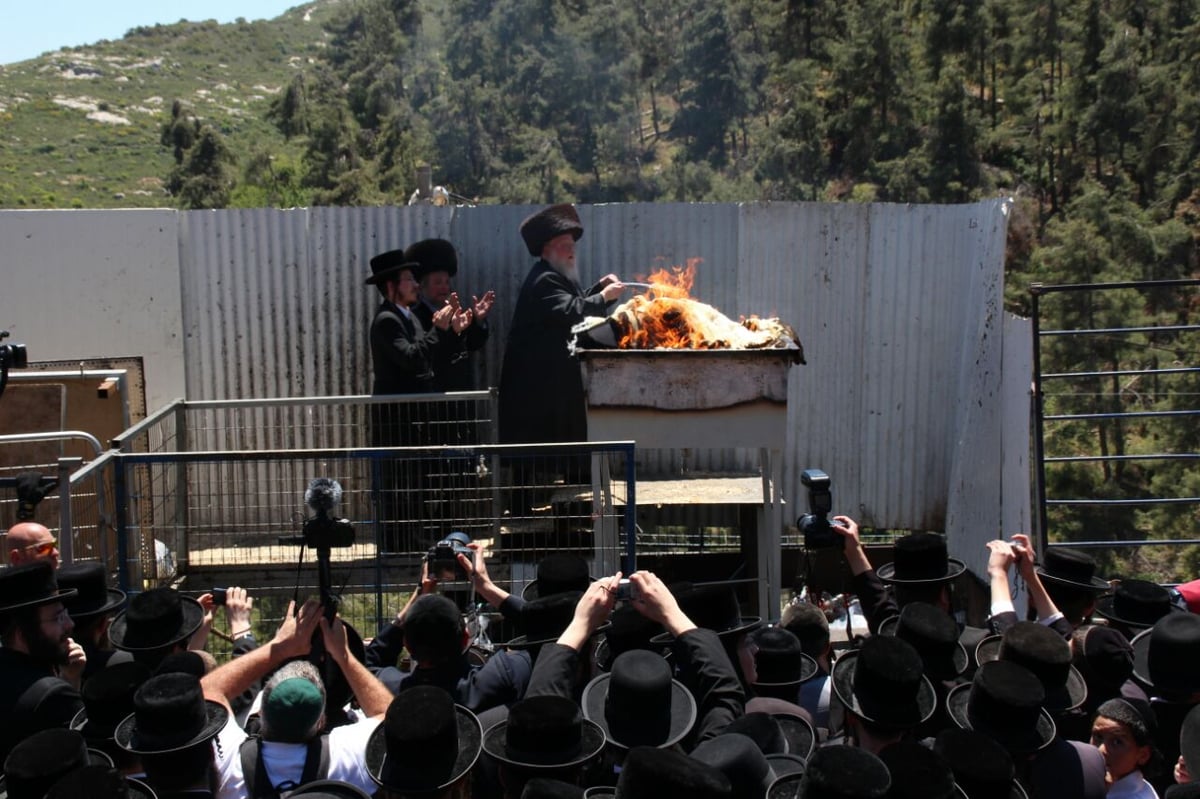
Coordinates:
452 366
401 352
55 707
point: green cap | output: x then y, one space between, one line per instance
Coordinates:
292 708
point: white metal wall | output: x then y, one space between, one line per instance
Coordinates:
914 398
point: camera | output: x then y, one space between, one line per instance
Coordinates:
815 525
626 591
218 595
443 557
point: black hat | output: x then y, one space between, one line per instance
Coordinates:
917 772
1189 740
187 662
650 773
780 660
89 578
559 573
1137 604
545 618
793 720
40 760
1071 568
1044 652
155 619
547 788
1165 656
425 743
1005 702
934 634
883 683
763 729
713 607
920 558
30 585
628 629
432 255
982 767
1137 714
329 789
433 628
170 714
837 772
108 699
384 265
544 732
1105 659
638 703
550 223
99 782
740 760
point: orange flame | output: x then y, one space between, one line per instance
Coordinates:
665 316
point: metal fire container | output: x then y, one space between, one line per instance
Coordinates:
701 399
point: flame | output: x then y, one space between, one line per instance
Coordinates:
667 317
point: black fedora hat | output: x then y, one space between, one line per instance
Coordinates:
558 573
329 789
1003 701
40 760
793 720
1165 657
651 773
920 558
548 788
425 743
884 683
94 597
1105 659
1137 604
740 760
934 634
170 714
763 729
30 585
386 264
836 772
544 732
155 619
1071 568
638 703
628 628
1044 652
99 782
432 255
918 772
982 767
549 223
780 660
544 619
713 607
108 699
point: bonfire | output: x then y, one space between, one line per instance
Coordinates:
665 316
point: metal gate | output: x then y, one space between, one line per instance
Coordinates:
1116 396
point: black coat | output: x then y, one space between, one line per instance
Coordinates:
453 369
541 386
51 702
402 357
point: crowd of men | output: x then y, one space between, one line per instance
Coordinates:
665 691
618 687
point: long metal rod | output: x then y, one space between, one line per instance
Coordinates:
1110 458
1158 542
1039 408
1120 330
1066 417
54 435
1037 288
1123 502
1122 373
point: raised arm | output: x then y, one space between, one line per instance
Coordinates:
373 696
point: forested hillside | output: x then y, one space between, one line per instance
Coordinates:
1087 113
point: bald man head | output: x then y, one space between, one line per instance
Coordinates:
30 541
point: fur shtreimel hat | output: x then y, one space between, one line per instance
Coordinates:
550 223
432 255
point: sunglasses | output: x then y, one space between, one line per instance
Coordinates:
44 548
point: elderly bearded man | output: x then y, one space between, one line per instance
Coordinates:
541 387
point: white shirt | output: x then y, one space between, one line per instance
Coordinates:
285 762
1132 786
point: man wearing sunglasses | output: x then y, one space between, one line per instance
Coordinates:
28 542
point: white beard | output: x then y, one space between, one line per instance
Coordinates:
569 271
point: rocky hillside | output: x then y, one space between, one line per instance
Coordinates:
81 127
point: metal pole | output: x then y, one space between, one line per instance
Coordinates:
1042 533
630 565
66 527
